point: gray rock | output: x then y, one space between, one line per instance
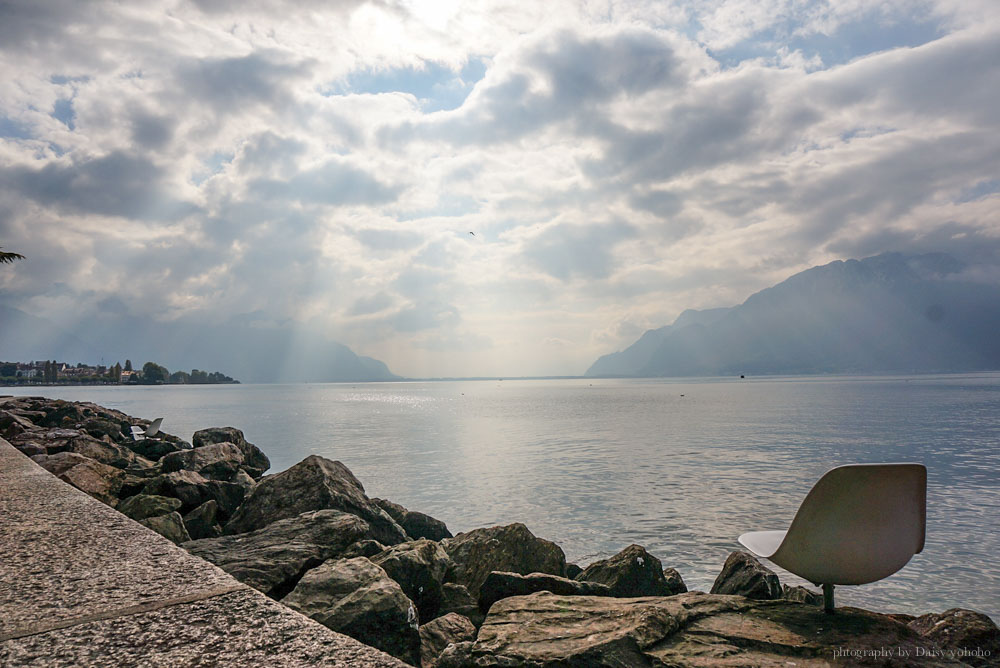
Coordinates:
363 548
273 559
510 548
243 479
154 448
60 462
201 522
99 480
802 595
456 598
255 462
12 424
216 461
357 598
142 506
631 572
420 568
111 454
743 575
415 524
438 633
675 583
194 489
456 655
499 585
170 526
98 427
315 483
572 570
959 629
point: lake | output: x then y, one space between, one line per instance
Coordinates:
681 467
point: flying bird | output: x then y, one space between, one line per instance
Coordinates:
472 233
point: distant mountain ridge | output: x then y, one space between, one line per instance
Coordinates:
887 313
239 348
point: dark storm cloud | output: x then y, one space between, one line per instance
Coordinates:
565 251
120 183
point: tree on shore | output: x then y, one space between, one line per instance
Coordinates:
128 365
8 256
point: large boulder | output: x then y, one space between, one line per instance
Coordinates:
193 489
357 598
546 630
438 633
60 462
315 483
415 524
216 461
106 452
456 598
969 635
255 462
154 448
99 480
631 572
12 424
170 526
273 559
499 585
201 522
743 575
512 548
420 568
142 506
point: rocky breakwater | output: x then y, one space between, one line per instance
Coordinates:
398 580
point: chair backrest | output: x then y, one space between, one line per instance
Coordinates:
154 427
858 524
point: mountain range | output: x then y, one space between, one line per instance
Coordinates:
887 313
242 347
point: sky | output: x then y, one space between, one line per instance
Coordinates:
482 188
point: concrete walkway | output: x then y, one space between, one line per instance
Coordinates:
83 585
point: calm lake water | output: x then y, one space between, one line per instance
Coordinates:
681 467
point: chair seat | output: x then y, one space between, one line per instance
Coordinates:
763 543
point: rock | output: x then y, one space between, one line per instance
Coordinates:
510 548
243 479
111 454
142 506
438 633
216 461
153 448
959 630
273 559
255 462
456 655
572 570
416 525
802 595
420 568
63 414
358 598
99 480
499 585
60 462
631 572
31 448
456 598
194 489
546 630
315 483
12 424
201 522
98 427
363 548
675 583
742 574
170 526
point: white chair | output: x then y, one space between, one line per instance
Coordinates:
860 523
138 433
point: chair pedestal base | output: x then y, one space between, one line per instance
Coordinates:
828 599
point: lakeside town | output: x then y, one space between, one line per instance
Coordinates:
52 372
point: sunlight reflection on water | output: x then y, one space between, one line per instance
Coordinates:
597 464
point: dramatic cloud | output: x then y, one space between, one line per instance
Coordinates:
479 188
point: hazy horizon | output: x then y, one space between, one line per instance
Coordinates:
478 189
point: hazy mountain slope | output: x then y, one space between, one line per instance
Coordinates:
240 348
885 313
